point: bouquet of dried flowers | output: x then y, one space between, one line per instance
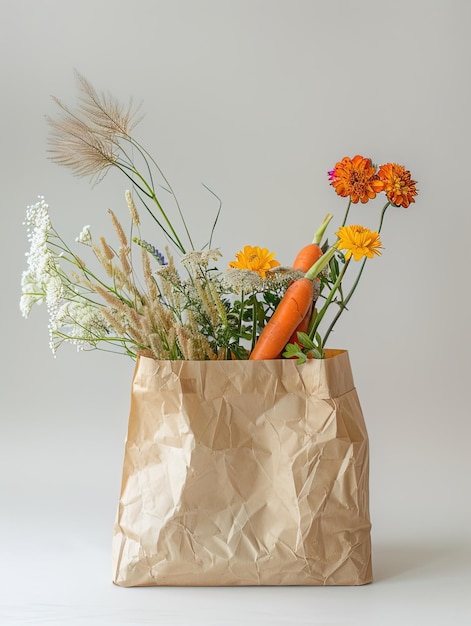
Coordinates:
165 296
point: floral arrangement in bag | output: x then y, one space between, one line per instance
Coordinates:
158 293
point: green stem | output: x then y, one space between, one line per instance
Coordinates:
143 151
154 198
346 212
382 216
254 322
149 192
241 312
345 301
217 215
327 302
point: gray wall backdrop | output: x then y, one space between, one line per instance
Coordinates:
257 99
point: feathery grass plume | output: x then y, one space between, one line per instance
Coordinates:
96 136
87 140
74 145
106 114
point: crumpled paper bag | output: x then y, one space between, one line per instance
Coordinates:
244 473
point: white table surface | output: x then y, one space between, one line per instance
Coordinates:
56 528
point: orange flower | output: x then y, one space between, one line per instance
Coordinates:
358 241
255 259
356 178
398 185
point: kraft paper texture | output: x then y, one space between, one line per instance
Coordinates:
244 473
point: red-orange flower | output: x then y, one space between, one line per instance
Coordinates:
356 178
399 187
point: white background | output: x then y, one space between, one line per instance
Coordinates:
257 99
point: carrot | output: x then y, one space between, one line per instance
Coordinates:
290 311
305 258
302 327
312 252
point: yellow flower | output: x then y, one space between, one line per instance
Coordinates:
255 259
359 242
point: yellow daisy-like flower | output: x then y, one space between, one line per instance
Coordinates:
255 259
359 242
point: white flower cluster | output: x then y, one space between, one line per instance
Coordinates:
72 317
85 236
201 258
40 282
239 281
80 324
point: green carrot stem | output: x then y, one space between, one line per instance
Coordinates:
319 265
322 228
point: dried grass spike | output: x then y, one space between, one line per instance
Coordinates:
119 230
107 251
132 208
124 252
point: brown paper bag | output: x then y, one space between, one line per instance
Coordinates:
244 473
